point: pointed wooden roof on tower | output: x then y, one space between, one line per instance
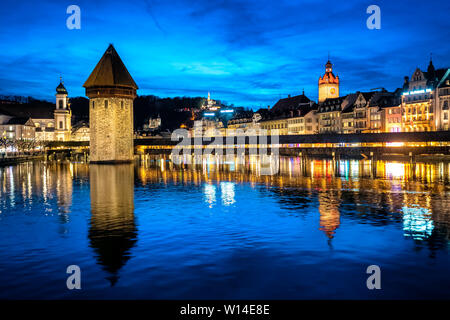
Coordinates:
110 72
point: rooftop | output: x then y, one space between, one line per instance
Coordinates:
291 103
110 71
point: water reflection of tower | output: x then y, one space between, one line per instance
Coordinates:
329 212
112 231
64 189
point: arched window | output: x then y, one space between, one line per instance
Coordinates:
61 104
106 103
93 104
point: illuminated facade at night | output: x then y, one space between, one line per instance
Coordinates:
111 91
421 105
421 110
392 119
443 102
330 115
63 114
328 84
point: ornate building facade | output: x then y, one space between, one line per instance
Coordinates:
443 102
420 107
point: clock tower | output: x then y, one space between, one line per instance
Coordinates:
328 84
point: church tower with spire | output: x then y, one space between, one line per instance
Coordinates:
328 83
111 91
62 114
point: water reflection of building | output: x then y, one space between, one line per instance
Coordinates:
379 189
112 231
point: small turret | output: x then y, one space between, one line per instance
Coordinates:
406 83
431 72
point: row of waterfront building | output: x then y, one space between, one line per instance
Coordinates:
422 104
43 123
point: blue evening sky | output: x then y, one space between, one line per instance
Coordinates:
246 52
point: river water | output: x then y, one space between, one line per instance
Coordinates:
220 229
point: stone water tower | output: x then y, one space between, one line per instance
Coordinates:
111 91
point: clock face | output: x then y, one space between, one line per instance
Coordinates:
332 91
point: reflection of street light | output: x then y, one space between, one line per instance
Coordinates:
210 194
227 190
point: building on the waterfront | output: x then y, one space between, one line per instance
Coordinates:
292 103
347 113
376 110
361 112
15 119
244 121
80 131
55 125
291 115
207 127
381 103
443 102
330 115
111 91
18 129
347 120
306 122
392 117
275 125
45 129
328 84
421 110
51 122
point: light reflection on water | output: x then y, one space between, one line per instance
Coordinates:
219 229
